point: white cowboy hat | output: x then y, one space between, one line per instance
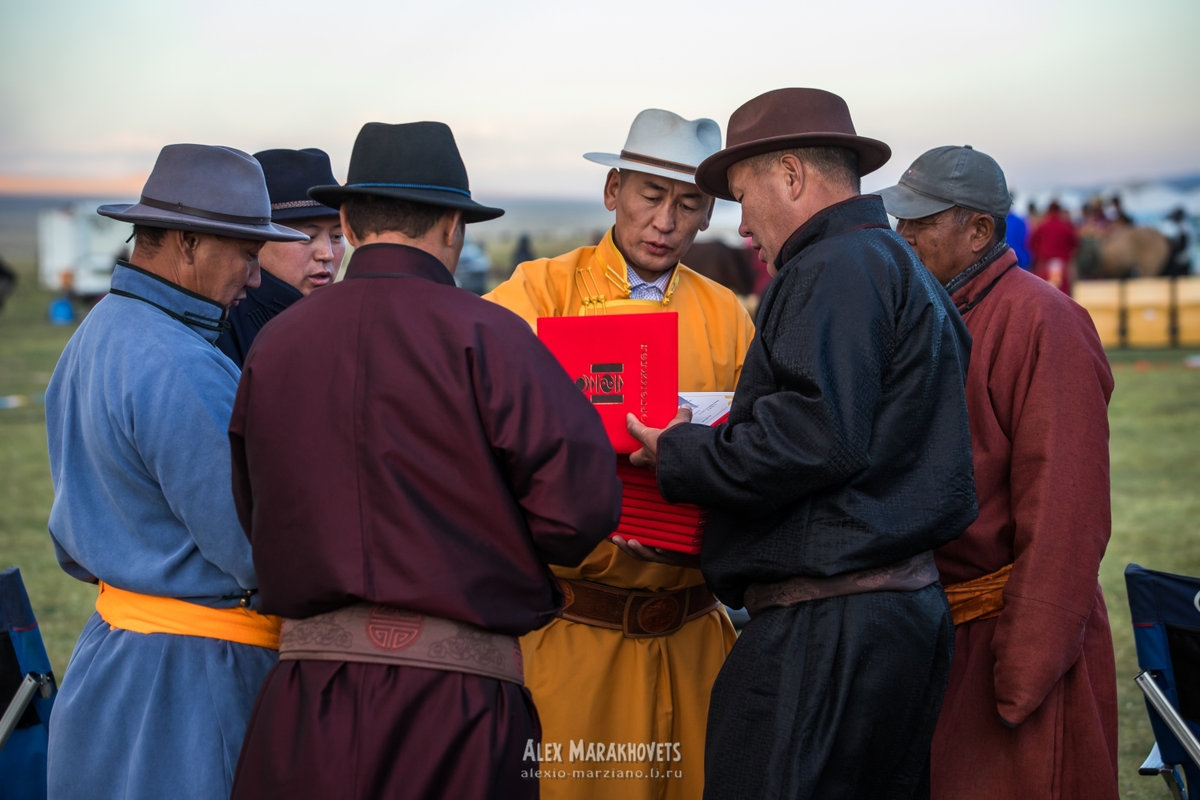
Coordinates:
664 144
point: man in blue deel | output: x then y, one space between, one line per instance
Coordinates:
160 687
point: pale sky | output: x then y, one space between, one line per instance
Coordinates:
1060 93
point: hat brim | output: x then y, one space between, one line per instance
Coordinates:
904 203
334 196
303 212
614 160
711 175
139 214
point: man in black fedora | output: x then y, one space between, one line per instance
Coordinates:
845 461
406 541
290 270
163 678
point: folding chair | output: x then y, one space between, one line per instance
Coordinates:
1166 629
27 691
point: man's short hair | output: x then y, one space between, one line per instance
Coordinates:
372 215
148 237
839 165
962 216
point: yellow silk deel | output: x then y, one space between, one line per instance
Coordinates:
594 685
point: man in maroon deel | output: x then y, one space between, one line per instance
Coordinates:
1031 709
446 460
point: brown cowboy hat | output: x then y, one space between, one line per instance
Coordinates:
781 120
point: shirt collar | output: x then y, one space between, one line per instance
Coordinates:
274 291
638 285
205 316
386 260
967 275
862 211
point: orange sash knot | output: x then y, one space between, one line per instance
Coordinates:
144 613
982 598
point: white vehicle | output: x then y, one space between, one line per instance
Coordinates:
77 248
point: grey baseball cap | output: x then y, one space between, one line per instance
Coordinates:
946 177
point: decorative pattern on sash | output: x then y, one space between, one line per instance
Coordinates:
981 598
368 633
638 614
144 613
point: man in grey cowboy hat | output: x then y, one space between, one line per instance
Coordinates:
578 663
162 681
290 270
406 542
1033 657
846 459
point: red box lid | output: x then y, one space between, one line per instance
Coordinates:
623 363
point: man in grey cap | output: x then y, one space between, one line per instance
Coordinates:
162 681
1030 711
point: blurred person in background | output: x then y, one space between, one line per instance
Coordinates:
162 681
524 251
290 270
1031 708
598 674
1175 227
8 282
1052 245
1017 236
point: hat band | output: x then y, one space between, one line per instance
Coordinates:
200 212
294 204
662 163
434 187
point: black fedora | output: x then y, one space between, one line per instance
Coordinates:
416 161
290 174
205 189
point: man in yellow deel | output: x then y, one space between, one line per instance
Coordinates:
625 707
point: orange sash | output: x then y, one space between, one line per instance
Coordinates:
144 613
982 598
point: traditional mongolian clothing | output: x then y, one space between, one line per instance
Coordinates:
1031 709
847 452
594 684
459 459
247 318
137 413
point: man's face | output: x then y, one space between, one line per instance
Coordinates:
764 200
657 218
225 267
942 244
307 265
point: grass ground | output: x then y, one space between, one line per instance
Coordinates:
1155 419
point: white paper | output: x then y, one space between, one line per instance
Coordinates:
708 408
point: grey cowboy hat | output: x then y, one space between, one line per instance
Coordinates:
946 177
206 189
417 161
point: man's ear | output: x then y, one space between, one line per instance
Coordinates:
188 243
612 185
712 202
453 227
794 174
347 231
981 236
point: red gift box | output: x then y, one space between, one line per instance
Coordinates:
623 363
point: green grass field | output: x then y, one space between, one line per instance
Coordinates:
1155 416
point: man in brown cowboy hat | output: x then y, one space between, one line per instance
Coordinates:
845 461
406 542
579 662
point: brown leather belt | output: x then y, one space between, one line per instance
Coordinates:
635 613
908 575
